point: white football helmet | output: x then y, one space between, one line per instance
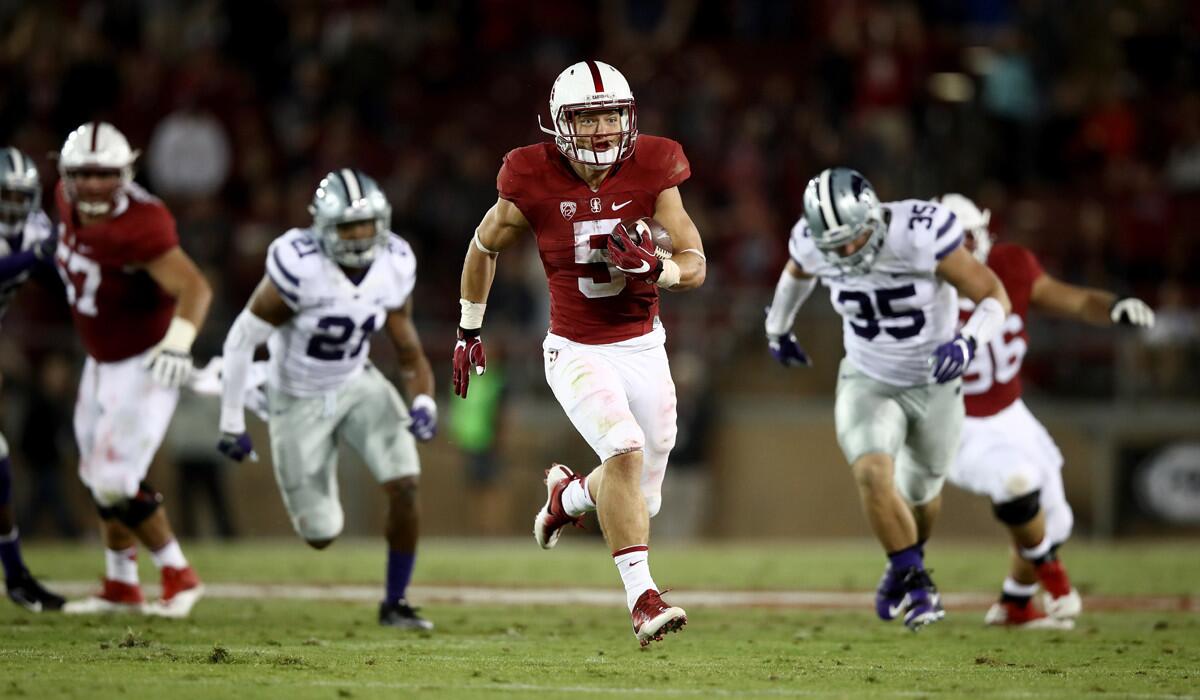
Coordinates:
592 86
96 147
974 223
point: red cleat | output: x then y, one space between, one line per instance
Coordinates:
1061 600
1009 614
552 518
181 588
114 597
652 618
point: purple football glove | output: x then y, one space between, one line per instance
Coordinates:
950 360
423 416
787 351
44 250
237 446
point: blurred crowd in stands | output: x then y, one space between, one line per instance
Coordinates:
1077 122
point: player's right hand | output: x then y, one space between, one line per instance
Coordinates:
237 446
636 260
44 249
468 355
1131 311
787 351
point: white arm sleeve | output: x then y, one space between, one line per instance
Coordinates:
985 323
790 293
248 332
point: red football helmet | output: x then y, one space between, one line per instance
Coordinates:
96 163
592 87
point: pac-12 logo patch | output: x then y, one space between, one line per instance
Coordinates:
595 205
567 209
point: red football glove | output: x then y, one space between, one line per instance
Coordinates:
468 354
636 261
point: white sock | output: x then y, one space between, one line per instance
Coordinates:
633 563
170 555
121 565
1037 551
1013 587
576 500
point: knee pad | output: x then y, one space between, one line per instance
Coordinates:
318 525
653 505
625 436
1020 510
918 489
134 511
3 447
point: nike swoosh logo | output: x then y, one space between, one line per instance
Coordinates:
617 207
645 266
635 563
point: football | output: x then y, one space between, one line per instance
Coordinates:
647 226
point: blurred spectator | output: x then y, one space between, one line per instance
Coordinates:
45 445
200 469
476 427
686 487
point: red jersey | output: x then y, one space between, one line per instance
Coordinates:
590 300
119 310
992 381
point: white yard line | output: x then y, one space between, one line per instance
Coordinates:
489 595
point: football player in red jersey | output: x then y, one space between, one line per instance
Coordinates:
604 355
1005 453
137 301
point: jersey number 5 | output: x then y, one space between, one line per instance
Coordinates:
81 277
602 279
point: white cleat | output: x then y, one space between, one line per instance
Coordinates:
114 598
177 607
1065 607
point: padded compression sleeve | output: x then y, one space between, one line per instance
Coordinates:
986 322
248 332
790 294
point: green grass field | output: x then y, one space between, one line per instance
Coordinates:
332 649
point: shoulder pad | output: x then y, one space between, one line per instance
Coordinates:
403 264
664 157
293 259
803 251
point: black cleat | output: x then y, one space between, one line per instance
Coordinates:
402 615
24 590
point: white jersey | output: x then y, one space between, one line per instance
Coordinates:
895 315
37 229
327 342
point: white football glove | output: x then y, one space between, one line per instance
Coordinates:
1132 312
170 361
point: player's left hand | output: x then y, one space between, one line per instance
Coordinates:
950 360
170 361
237 446
423 414
1132 312
636 261
468 355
